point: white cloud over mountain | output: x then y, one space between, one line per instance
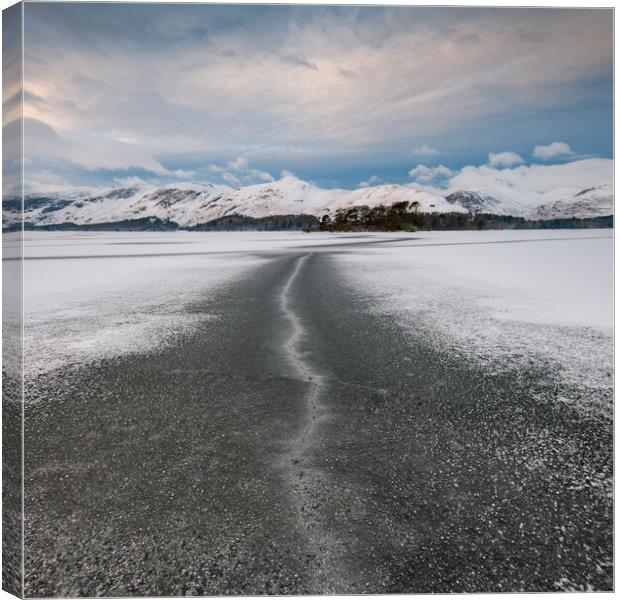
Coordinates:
504 159
425 174
372 180
552 150
536 178
238 173
505 173
522 189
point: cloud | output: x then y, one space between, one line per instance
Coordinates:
424 174
93 152
184 173
262 175
553 150
285 173
131 181
239 164
371 181
468 39
45 181
327 86
533 36
348 73
535 178
298 61
230 178
239 173
504 159
424 150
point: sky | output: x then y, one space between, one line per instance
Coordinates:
340 96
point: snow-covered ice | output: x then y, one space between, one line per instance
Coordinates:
537 299
11 303
504 299
92 295
89 295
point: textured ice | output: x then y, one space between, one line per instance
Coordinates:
509 299
89 295
505 299
93 295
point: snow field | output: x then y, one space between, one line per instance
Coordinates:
508 299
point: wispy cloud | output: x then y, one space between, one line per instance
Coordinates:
169 89
238 172
90 151
424 150
131 181
298 61
371 181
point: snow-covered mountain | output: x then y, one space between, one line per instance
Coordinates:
194 203
474 202
499 198
189 204
559 203
593 202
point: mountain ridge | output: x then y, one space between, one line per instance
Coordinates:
191 204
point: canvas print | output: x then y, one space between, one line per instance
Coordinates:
306 299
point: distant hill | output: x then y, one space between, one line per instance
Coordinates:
297 203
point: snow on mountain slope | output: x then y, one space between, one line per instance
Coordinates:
188 204
593 202
474 202
498 199
184 204
288 195
192 203
559 203
291 195
425 201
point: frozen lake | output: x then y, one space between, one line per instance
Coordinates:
530 295
316 413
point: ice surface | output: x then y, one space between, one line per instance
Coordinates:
89 295
536 299
11 303
93 295
560 277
